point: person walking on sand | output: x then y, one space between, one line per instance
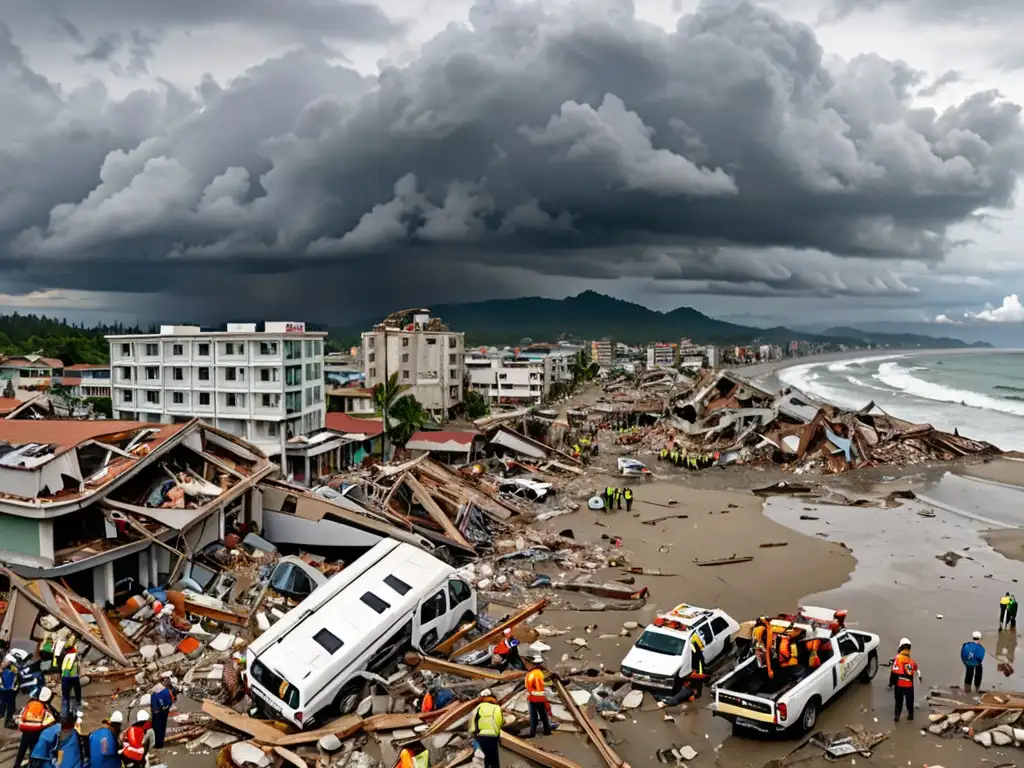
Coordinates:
901 680
1004 604
972 654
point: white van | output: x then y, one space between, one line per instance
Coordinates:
309 665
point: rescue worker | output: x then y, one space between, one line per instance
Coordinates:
1004 603
813 653
66 749
161 703
627 494
485 728
901 680
10 682
537 701
786 653
508 651
609 495
137 742
663 454
409 760
36 717
427 703
43 752
618 498
762 639
70 683
972 654
1011 613
674 457
104 743
698 666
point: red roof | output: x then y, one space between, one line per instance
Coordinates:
68 433
71 381
8 404
20 361
87 367
437 438
343 422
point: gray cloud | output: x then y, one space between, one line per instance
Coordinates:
596 147
949 77
978 12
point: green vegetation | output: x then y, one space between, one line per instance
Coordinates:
474 406
406 414
45 336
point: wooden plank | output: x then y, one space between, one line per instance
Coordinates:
436 513
390 722
445 648
723 561
261 730
484 640
535 754
610 757
460 757
343 727
452 714
462 670
291 757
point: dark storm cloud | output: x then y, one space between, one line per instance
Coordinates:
563 144
102 49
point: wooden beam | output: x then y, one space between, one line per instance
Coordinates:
436 513
535 754
610 757
485 639
461 670
445 648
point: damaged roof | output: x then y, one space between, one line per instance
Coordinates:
442 441
350 425
65 434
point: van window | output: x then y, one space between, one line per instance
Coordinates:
719 625
458 592
276 685
390 650
397 584
847 645
704 630
432 608
374 602
328 640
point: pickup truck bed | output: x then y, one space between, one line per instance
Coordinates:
754 680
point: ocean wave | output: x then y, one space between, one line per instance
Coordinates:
866 384
1018 398
900 378
1008 388
844 365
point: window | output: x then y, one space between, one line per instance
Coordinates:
405 374
292 350
264 374
397 584
203 374
275 685
268 401
152 350
847 645
452 373
127 396
310 369
458 591
268 348
230 374
126 374
293 402
434 606
369 342
451 342
241 374
375 602
309 348
324 638
405 341
204 398
126 350
272 429
293 375
373 372
177 350
203 349
152 397
451 359
317 397
152 373
655 642
229 348
318 347
309 397
719 625
705 632
178 374
405 357
370 358
231 400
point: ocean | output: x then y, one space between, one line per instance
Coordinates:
980 394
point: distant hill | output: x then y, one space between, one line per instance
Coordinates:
592 315
900 339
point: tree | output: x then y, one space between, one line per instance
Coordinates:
101 405
474 405
407 417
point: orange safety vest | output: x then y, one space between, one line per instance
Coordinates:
813 647
34 717
535 686
904 668
405 759
786 656
502 648
133 739
426 706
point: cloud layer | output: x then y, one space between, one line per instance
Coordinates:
570 140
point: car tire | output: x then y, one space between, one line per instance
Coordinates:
871 669
809 717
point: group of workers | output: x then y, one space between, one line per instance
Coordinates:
583 448
613 498
692 461
1008 612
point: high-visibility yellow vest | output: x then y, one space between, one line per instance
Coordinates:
69 667
487 720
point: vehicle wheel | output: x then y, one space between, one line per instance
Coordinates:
467 617
871 669
809 717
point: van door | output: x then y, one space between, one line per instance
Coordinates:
719 628
433 613
460 603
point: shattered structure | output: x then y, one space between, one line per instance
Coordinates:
742 422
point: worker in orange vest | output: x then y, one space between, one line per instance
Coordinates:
408 760
139 739
427 704
901 680
37 715
508 651
538 702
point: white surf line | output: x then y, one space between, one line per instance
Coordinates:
964 513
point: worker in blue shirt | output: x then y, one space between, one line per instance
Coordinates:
45 749
71 752
972 654
10 681
105 743
160 703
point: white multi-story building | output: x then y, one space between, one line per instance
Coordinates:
265 387
603 352
512 381
660 355
428 358
694 356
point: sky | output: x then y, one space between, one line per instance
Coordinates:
822 161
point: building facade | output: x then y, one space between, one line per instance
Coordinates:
603 352
661 355
263 386
86 380
30 372
511 381
428 358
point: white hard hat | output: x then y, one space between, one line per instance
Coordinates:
9 659
116 717
45 694
904 641
142 717
507 632
144 700
976 635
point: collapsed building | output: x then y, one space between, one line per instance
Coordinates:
742 422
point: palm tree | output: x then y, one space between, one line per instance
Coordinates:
386 396
409 416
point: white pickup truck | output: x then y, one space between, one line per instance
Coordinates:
662 656
791 699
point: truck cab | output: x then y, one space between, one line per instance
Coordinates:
662 657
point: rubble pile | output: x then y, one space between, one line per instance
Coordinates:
996 721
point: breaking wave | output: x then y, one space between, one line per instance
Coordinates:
902 379
1008 388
